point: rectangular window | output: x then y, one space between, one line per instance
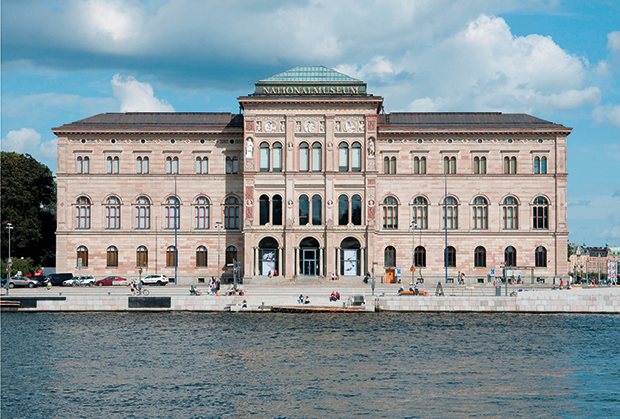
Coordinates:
264 159
277 159
356 160
303 159
316 159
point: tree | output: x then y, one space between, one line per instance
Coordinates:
29 204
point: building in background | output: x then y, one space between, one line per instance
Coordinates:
313 180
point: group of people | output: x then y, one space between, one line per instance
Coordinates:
461 278
133 286
335 296
214 285
335 276
302 300
272 273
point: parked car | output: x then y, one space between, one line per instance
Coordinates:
155 280
110 280
22 281
78 281
57 279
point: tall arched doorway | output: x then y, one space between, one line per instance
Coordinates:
309 257
268 256
351 264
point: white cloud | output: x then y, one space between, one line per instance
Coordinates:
134 96
23 141
610 233
613 41
608 113
28 140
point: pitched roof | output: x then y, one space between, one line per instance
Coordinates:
155 121
315 73
464 120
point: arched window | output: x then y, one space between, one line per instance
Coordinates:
138 165
343 157
480 213
231 255
277 157
510 212
356 158
510 165
536 165
145 165
540 257
86 165
420 212
480 257
276 203
202 165
175 165
82 253
480 165
82 212
169 165
80 165
116 165
143 212
449 165
264 157
232 165
231 213
112 257
450 257
113 212
304 158
390 257
142 257
304 210
171 256
172 212
540 214
451 214
109 165
390 213
420 257
317 210
201 257
543 165
317 157
476 165
510 256
263 210
202 213
343 210
356 210
386 165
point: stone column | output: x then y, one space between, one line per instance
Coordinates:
296 261
256 261
337 261
280 261
363 269
321 261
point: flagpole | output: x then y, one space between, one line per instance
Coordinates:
176 217
445 221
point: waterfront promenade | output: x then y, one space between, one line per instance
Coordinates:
456 298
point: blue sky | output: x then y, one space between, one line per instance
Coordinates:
558 60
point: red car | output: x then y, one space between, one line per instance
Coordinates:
110 280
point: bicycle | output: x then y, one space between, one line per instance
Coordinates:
142 291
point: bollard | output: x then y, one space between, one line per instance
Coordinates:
344 305
262 306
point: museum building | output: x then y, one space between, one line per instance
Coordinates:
313 180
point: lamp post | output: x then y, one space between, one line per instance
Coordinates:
218 225
9 262
413 226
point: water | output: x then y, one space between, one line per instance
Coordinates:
212 365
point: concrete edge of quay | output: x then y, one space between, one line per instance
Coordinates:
605 300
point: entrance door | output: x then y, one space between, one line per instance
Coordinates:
389 276
308 262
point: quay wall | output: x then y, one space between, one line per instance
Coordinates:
603 300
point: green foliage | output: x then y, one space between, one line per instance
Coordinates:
29 204
26 266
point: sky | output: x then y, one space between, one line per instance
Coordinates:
558 60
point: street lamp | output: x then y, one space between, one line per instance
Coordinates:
9 262
413 226
218 225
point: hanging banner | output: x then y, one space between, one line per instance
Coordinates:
350 262
269 261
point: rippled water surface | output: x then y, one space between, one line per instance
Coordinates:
210 365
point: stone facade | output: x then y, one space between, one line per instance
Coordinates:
313 185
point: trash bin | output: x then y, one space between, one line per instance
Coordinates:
498 291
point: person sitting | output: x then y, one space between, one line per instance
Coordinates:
332 297
300 300
245 304
275 273
366 278
307 300
337 295
193 291
269 274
